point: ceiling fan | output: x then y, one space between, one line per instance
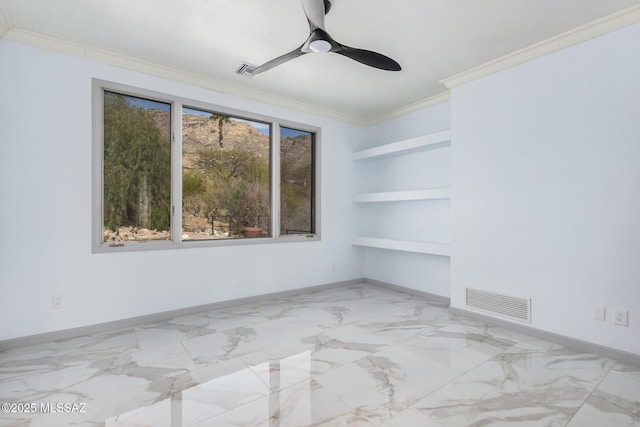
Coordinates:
320 41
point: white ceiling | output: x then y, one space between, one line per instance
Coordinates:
205 41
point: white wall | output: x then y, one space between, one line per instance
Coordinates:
414 220
546 187
545 198
45 210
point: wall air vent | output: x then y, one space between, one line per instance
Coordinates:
499 305
246 69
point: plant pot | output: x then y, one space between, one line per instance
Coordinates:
252 231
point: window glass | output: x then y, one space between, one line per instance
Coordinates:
137 169
225 177
296 182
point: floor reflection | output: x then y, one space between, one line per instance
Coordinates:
195 404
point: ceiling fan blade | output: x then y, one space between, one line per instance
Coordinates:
277 61
327 6
367 57
315 11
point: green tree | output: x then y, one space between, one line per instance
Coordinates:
296 191
238 183
137 167
228 164
193 189
192 183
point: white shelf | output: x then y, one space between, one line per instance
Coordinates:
426 142
399 196
404 245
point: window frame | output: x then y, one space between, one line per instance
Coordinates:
314 176
177 102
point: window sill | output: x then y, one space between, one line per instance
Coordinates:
164 245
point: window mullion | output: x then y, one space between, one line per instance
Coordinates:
176 173
275 180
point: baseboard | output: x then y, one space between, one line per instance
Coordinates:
439 299
162 316
589 347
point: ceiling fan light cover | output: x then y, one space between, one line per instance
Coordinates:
320 46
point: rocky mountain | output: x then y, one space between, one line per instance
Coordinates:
201 132
296 150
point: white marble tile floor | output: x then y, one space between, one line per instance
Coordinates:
360 356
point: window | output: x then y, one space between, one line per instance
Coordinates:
225 177
170 172
137 168
297 181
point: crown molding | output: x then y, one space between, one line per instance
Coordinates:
416 106
586 32
147 67
570 38
5 24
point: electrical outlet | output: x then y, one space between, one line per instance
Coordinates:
621 316
57 302
599 312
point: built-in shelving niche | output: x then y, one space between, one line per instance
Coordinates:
402 148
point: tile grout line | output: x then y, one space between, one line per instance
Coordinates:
591 393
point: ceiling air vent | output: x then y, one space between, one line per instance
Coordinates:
499 305
246 69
